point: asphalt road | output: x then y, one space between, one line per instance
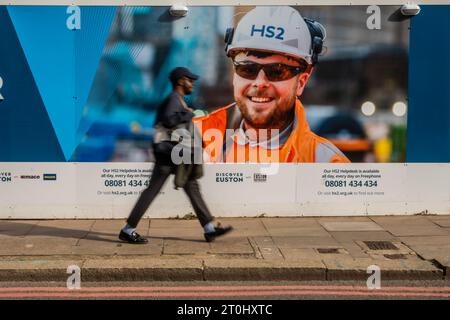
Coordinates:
393 290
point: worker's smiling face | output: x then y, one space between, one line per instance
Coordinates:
264 103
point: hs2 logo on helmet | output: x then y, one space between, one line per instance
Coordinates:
268 32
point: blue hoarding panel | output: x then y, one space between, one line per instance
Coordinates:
428 130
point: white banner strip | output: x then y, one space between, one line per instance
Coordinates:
109 190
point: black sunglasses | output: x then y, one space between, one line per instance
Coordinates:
274 71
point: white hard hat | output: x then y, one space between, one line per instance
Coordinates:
279 29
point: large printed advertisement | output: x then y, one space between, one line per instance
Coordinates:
298 110
82 84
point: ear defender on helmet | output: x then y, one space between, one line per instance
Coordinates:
228 38
317 36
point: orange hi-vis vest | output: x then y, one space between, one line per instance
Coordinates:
301 146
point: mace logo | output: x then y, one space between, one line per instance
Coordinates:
30 177
49 176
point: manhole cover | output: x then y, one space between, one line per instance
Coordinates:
328 250
380 245
395 256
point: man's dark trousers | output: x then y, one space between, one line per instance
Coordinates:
161 172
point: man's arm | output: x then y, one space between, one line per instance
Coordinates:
174 113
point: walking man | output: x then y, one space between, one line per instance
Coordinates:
172 114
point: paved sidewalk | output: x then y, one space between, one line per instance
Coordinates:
332 248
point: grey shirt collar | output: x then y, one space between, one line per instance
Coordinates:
274 143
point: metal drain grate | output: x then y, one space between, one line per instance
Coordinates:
380 245
328 250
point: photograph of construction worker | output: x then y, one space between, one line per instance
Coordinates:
274 51
172 114
349 80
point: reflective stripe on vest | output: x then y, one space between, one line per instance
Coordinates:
326 151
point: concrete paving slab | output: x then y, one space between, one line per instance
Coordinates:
399 220
255 247
36 270
254 269
410 226
239 232
151 269
431 253
351 226
48 246
78 224
248 227
267 248
300 222
58 233
101 236
153 248
344 236
429 248
245 223
111 228
12 246
294 254
404 231
426 240
187 234
16 228
236 246
443 222
444 261
343 219
175 223
264 241
354 250
64 229
112 225
356 269
298 231
306 242
104 247
294 227
175 247
271 253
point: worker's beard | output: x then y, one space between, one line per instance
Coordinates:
276 118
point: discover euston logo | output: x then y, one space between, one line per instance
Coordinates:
5 177
229 177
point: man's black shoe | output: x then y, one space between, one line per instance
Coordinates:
220 231
134 238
